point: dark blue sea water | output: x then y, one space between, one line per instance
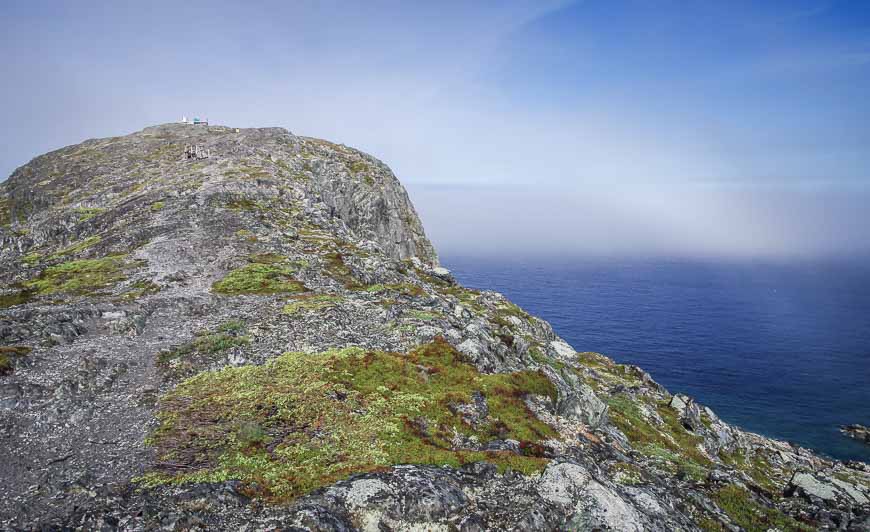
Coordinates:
782 350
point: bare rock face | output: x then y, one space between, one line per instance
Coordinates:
204 327
859 432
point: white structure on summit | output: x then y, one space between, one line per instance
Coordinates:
196 121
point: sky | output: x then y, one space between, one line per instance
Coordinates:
705 129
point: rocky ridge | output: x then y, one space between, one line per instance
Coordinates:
263 338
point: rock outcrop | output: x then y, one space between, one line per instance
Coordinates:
260 336
859 432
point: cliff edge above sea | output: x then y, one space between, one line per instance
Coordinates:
237 329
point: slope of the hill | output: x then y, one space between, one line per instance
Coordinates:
264 338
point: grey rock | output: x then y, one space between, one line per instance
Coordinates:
583 405
77 409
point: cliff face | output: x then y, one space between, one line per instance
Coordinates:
264 338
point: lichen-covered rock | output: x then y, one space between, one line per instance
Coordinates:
582 404
263 339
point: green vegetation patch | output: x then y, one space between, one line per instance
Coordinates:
7 357
467 296
201 351
338 270
15 298
140 289
77 247
259 278
669 442
544 360
752 516
267 258
31 258
157 206
422 315
303 421
756 467
242 204
5 213
79 277
86 213
311 302
358 167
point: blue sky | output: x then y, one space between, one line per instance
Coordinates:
692 128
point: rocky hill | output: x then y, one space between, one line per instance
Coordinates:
207 327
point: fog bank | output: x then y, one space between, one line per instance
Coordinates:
715 222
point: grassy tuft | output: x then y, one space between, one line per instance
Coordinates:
303 421
406 289
422 315
15 298
257 278
7 355
141 289
338 270
310 302
79 277
86 214
182 361
31 258
77 247
752 516
668 442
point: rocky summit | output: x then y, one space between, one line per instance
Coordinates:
245 329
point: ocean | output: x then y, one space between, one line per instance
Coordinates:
779 349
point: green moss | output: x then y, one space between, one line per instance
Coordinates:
304 421
157 206
338 270
710 525
77 247
15 298
674 462
668 442
358 167
422 315
79 277
5 213
8 354
502 314
467 296
853 476
183 360
140 289
31 258
267 258
258 278
310 302
247 235
752 516
544 360
254 172
242 204
607 373
757 468
88 213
